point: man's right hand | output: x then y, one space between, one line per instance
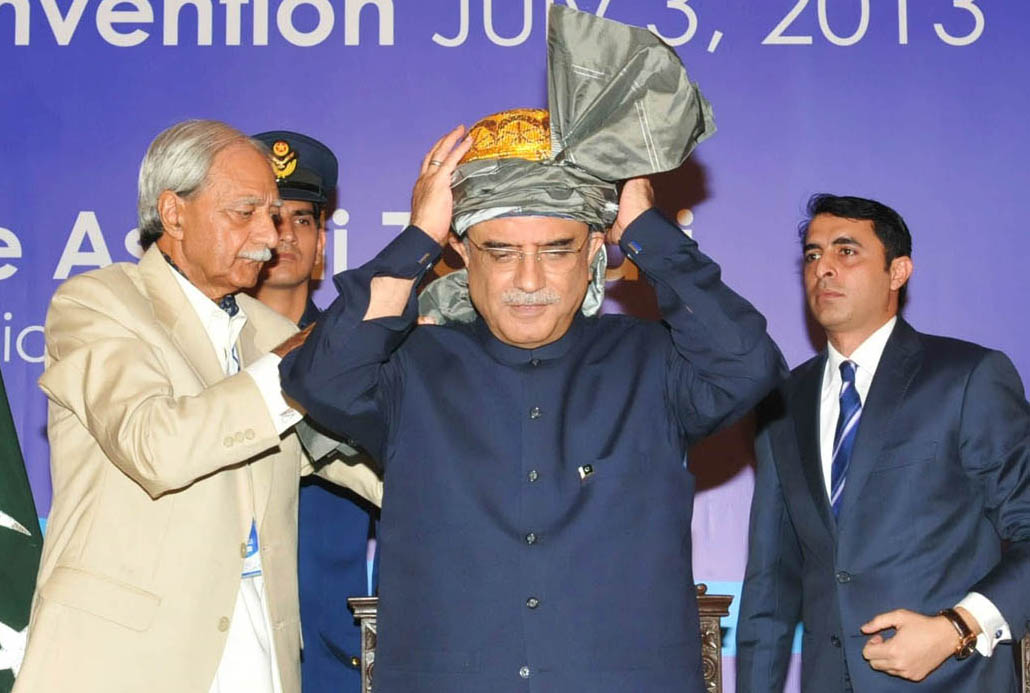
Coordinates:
294 341
432 202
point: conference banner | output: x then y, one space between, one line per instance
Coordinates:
921 104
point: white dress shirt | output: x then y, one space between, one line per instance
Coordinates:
866 358
249 660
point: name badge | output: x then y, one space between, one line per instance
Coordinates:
252 561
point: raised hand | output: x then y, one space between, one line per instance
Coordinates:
637 197
431 200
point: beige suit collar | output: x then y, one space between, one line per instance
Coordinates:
174 312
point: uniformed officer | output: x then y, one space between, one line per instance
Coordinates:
335 524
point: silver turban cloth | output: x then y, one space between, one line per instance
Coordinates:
620 106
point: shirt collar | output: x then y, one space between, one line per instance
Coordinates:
867 355
221 329
514 356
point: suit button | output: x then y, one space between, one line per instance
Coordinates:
227 442
249 434
532 602
534 362
355 663
243 550
533 475
843 577
239 436
530 538
534 413
223 623
524 672
835 641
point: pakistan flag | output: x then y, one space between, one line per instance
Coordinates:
20 544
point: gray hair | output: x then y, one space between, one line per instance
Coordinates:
179 160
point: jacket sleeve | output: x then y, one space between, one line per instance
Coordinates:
348 374
119 387
994 446
770 603
722 362
356 474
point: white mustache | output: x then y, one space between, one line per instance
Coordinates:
263 255
518 297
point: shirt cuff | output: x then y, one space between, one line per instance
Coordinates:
407 256
265 372
652 235
992 623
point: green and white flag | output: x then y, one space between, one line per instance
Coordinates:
20 545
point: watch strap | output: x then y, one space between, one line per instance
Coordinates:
967 639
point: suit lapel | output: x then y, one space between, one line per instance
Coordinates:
261 470
176 315
894 373
261 333
805 411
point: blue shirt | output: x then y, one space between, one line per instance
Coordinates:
535 530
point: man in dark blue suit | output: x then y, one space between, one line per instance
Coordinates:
536 525
892 468
334 523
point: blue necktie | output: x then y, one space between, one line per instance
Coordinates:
844 437
229 305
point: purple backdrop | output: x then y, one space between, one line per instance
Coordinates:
922 105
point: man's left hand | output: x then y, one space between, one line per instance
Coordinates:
636 198
919 645
295 340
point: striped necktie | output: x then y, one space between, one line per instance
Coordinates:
844 437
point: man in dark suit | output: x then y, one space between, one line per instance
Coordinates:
334 523
891 469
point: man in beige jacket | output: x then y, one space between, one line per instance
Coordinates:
169 564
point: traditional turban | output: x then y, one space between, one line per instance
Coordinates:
620 106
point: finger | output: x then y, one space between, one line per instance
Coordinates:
431 154
445 151
890 619
446 143
426 320
459 150
875 651
883 665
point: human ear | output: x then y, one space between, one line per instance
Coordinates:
170 209
458 244
900 271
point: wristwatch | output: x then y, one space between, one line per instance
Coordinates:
967 640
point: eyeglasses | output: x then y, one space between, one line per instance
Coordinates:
509 257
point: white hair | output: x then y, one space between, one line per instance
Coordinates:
179 160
